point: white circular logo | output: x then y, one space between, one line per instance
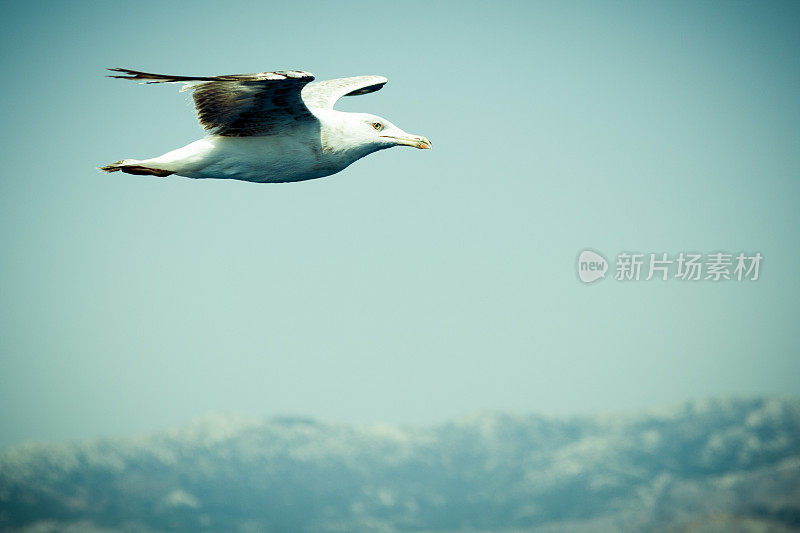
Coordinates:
591 266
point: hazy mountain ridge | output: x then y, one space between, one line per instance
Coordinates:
729 462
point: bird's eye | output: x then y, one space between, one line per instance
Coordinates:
377 125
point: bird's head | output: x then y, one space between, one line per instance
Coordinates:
380 133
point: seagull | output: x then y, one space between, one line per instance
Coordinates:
271 127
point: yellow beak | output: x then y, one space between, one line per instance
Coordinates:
417 141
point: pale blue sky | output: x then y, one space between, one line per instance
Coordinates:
415 285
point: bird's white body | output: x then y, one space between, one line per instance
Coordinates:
272 127
312 152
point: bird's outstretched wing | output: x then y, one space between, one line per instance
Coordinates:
242 105
324 94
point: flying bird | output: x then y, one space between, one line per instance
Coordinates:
271 127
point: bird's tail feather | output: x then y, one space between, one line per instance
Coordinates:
132 166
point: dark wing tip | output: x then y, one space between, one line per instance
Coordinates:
129 74
368 89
